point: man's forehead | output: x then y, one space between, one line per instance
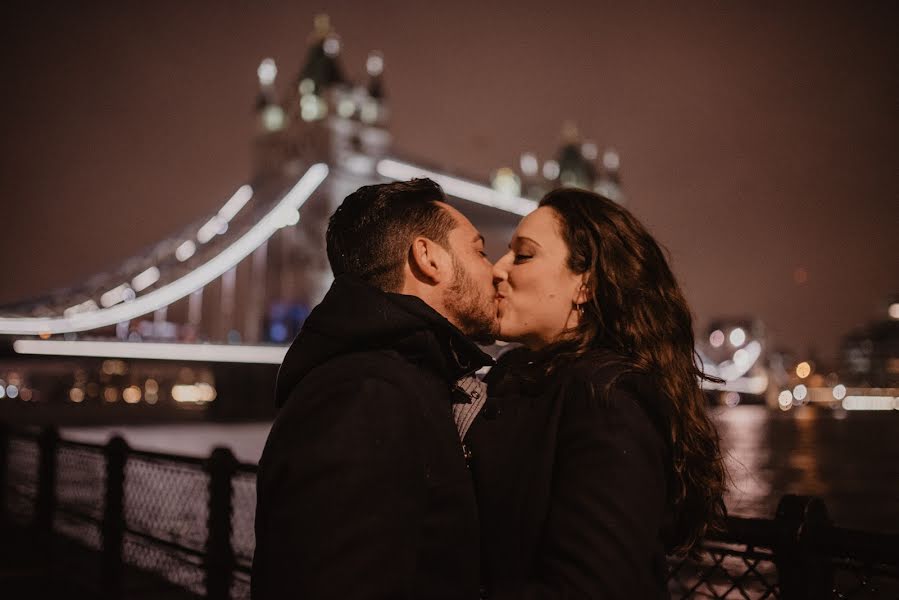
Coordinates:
461 220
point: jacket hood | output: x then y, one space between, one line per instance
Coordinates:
355 316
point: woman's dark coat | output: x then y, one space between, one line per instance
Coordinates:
571 473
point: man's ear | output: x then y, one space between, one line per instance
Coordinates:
428 260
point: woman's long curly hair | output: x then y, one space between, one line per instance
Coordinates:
635 309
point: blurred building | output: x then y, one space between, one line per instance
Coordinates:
203 318
575 164
869 356
734 349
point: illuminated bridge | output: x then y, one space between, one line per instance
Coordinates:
236 286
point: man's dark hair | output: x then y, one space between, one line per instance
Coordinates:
370 233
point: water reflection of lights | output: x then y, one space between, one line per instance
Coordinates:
740 427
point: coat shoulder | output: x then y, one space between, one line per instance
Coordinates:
607 385
386 366
598 376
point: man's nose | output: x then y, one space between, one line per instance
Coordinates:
500 270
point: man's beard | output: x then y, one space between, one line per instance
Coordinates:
475 314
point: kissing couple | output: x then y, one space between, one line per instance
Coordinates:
581 459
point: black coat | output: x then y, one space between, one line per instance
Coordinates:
572 474
363 490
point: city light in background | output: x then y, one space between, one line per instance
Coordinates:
166 239
186 317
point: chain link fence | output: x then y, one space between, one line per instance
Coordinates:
166 511
189 522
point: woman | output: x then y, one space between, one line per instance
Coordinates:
593 457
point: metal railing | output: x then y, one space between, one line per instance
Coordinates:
189 522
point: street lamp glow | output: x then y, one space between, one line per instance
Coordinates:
374 64
894 310
803 370
267 71
528 164
185 250
785 400
145 279
460 188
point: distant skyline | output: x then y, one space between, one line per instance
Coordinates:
759 143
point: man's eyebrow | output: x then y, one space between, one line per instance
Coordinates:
478 238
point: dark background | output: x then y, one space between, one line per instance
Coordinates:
758 141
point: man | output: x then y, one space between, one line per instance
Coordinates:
363 490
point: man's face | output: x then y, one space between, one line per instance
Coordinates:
470 298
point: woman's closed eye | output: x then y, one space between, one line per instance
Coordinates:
522 257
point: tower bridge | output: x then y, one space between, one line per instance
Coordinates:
234 288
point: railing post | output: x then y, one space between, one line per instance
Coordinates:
802 572
45 503
4 473
221 467
116 452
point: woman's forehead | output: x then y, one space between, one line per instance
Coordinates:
539 225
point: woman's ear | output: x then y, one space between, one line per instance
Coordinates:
583 291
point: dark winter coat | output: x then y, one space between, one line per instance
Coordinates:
572 473
363 490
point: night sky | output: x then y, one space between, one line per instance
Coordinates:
756 140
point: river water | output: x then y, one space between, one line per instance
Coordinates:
850 459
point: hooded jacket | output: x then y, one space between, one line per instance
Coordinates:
363 490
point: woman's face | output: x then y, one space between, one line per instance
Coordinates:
536 291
